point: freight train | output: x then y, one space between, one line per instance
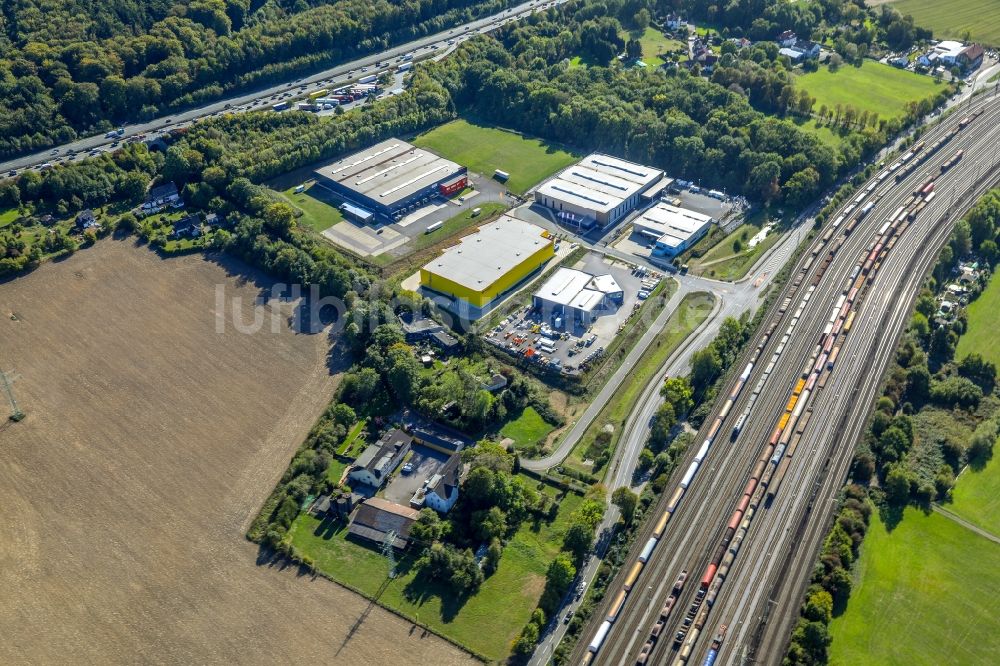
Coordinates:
770 468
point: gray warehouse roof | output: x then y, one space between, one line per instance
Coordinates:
599 182
389 171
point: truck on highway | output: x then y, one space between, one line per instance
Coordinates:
371 78
280 106
404 67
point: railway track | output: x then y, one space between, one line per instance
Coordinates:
693 534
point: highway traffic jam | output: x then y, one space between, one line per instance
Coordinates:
779 452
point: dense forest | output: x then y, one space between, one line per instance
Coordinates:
68 68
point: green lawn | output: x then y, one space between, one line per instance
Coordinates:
691 312
926 593
528 429
725 263
487 623
654 44
976 496
956 19
318 210
484 149
984 315
824 133
8 216
874 87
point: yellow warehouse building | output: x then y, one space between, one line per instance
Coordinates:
486 264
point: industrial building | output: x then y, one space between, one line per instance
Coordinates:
599 189
487 263
386 180
571 297
671 229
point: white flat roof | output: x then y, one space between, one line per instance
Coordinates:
669 224
599 182
605 283
563 286
587 300
481 258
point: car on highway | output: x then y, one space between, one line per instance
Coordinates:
568 616
12 172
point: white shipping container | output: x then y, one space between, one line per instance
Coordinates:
689 475
647 550
602 633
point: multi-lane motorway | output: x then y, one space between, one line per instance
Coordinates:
340 74
759 598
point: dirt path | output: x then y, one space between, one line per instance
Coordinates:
955 518
150 441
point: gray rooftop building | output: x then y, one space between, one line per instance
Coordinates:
390 177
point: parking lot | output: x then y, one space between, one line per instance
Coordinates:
726 212
426 463
572 351
375 239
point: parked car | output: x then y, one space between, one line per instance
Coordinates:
407 468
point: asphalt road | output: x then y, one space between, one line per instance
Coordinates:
778 552
340 74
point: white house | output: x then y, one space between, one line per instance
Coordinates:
441 492
376 463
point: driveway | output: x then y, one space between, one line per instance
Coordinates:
426 463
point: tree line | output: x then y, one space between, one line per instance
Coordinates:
184 53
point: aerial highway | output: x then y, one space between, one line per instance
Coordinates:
259 99
747 509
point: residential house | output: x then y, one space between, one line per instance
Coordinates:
417 327
445 341
162 196
85 220
496 383
441 492
377 462
376 519
189 226
970 57
675 22
802 49
787 38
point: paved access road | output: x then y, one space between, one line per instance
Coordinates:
760 597
340 74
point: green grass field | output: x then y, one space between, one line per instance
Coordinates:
487 623
956 19
484 149
8 216
976 496
924 594
723 262
654 44
692 310
319 212
874 87
980 336
527 429
824 133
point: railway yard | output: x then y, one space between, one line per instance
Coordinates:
717 574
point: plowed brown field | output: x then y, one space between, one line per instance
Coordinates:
149 444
